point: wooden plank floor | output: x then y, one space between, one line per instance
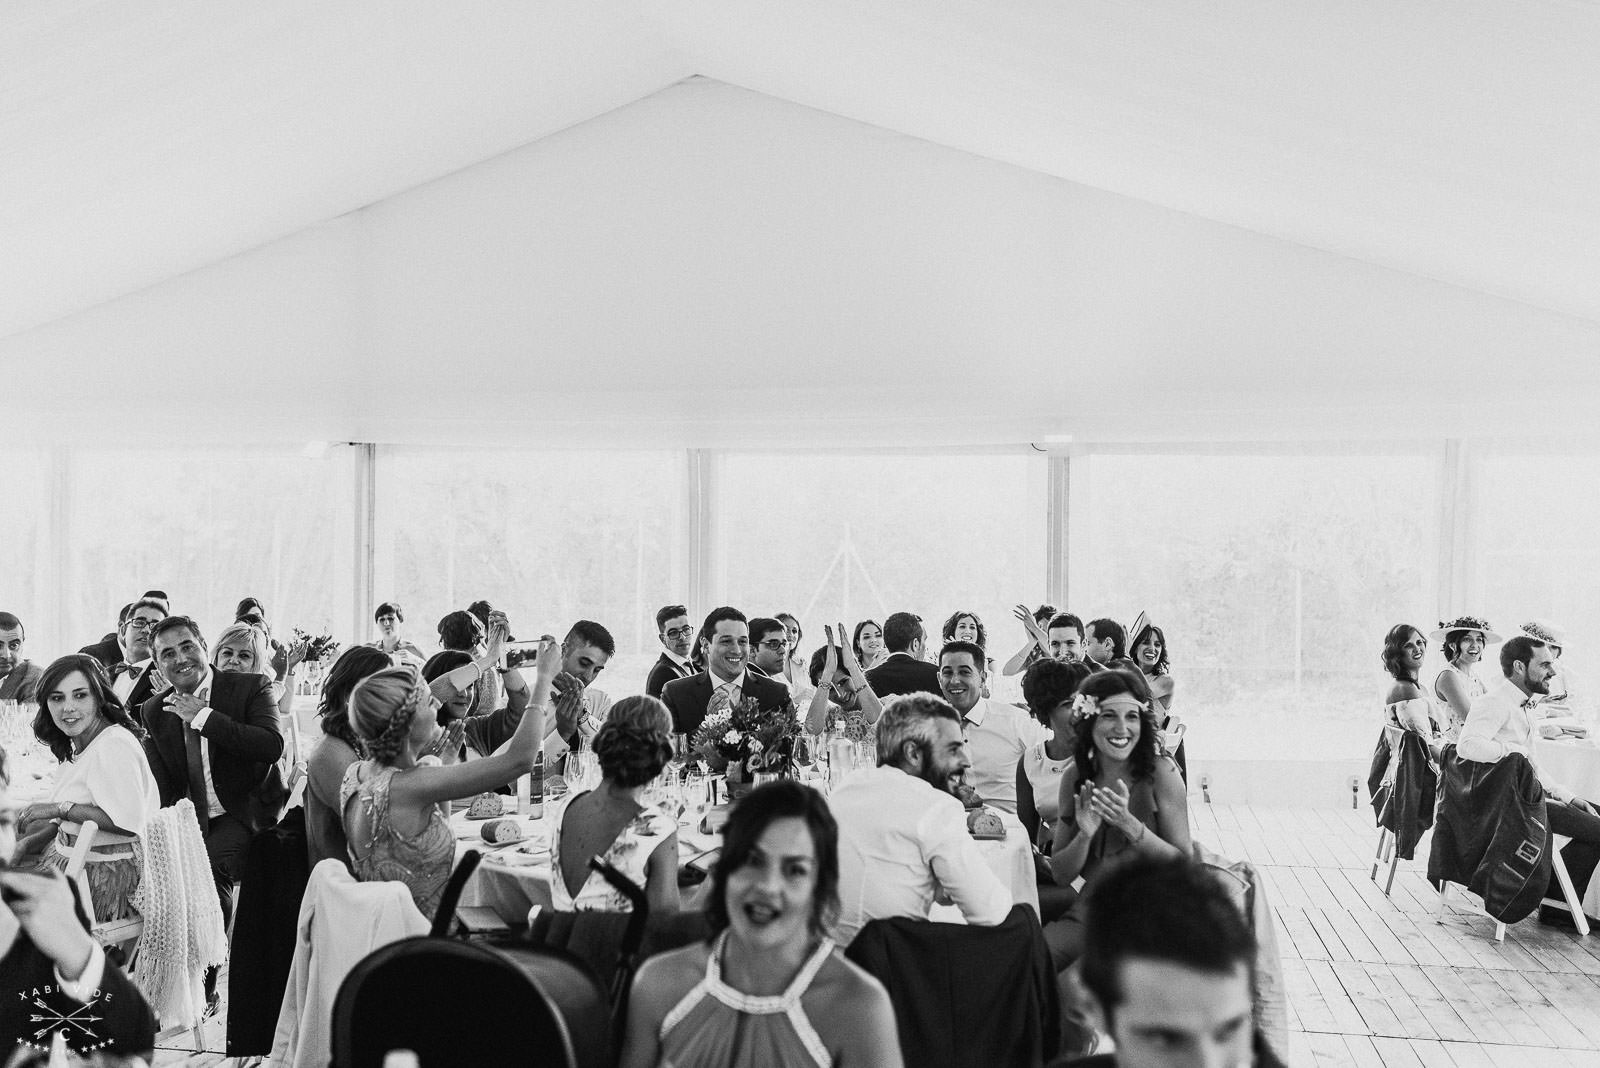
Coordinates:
1375 980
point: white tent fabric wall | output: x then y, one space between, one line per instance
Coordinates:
711 266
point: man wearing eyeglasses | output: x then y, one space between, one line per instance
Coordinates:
677 638
769 648
127 658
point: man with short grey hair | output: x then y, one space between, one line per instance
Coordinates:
903 836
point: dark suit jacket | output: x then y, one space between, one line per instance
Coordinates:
902 674
243 742
107 652
663 671
687 698
120 1017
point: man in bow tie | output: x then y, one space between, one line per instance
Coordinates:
1500 723
676 634
128 657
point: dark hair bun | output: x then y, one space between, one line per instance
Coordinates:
630 756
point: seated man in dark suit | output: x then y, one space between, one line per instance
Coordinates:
214 738
19 676
52 971
725 644
1170 961
677 640
905 671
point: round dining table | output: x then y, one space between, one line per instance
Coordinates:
1575 764
513 879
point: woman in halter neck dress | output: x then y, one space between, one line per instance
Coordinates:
1458 685
770 990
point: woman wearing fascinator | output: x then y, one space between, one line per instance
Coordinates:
1122 796
1456 686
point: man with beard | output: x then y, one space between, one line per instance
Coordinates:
1499 725
677 639
902 831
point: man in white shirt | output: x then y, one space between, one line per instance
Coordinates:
903 837
1499 724
580 706
997 733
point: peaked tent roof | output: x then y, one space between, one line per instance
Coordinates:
1421 174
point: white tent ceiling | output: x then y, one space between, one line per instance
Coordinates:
876 219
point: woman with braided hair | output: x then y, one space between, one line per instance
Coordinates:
640 840
395 802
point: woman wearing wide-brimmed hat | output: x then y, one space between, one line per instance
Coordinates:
1457 685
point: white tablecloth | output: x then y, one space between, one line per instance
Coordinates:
513 879
1012 861
1572 762
1575 764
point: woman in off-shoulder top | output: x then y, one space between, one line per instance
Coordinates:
1406 704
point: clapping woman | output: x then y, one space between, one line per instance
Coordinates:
1120 797
841 687
770 989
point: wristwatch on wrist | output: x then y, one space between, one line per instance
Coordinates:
65 809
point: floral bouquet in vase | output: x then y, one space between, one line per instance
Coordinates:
745 740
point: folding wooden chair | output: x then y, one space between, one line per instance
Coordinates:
1574 903
106 932
1386 851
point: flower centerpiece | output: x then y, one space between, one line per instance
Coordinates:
319 648
745 740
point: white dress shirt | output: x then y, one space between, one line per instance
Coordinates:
997 736
901 840
1499 724
125 682
203 692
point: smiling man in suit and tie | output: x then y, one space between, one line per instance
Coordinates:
725 644
214 738
677 639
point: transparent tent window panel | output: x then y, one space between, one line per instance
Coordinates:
1274 577
547 537
210 527
1537 556
26 589
843 538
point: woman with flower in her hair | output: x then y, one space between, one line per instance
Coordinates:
1121 797
609 821
394 802
1457 685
